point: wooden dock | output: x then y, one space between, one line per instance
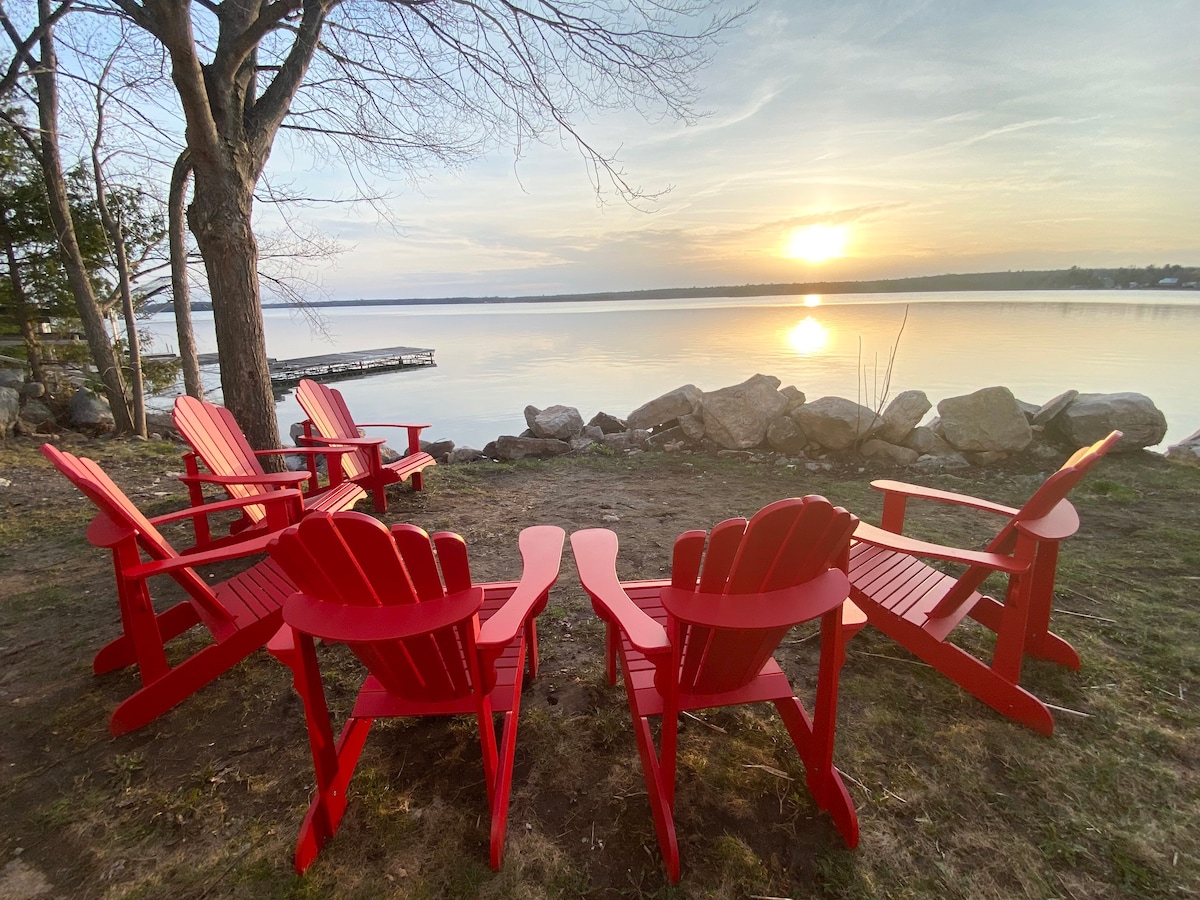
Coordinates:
285 372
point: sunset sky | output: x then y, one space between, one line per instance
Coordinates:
920 137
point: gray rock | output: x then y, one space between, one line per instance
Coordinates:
1028 410
680 402
889 453
736 417
633 439
439 450
36 418
33 389
925 441
836 423
296 431
593 432
558 422
902 415
660 439
10 406
785 436
89 413
1187 450
988 419
12 378
693 427
510 448
465 455
581 443
608 424
795 398
1049 410
1090 417
931 463
987 457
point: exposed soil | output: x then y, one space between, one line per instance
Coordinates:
205 802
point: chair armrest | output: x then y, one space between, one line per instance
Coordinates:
251 547
889 540
349 443
340 622
273 498
283 479
772 609
595 551
306 451
1057 525
392 425
924 493
541 554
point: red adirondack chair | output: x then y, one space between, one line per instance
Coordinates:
706 638
219 443
330 424
918 606
433 645
241 613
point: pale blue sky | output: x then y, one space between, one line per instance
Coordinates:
946 136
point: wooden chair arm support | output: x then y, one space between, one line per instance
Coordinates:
889 540
275 498
307 451
772 609
392 425
339 622
595 551
251 547
1057 525
541 554
904 489
349 445
267 478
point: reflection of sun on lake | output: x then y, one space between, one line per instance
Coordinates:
808 337
812 300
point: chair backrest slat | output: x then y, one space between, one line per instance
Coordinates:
218 440
785 544
361 563
327 410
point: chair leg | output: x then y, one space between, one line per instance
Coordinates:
121 652
824 782
660 805
177 684
504 770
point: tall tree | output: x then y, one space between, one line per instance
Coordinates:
406 82
44 143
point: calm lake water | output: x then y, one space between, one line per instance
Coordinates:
494 359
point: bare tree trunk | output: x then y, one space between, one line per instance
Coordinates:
219 217
180 291
117 237
60 214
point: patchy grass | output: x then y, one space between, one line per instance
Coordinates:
954 801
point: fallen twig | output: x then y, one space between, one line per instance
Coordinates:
1071 612
915 662
1070 712
696 718
771 770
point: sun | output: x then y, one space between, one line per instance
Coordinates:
817 243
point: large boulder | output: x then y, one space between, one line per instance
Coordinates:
36 418
1048 411
736 417
607 423
894 454
10 407
902 415
1090 417
785 436
557 422
987 420
1187 450
680 402
11 378
87 412
926 442
510 448
836 423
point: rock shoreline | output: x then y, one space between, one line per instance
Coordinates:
761 419
757 419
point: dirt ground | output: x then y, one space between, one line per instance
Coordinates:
205 801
